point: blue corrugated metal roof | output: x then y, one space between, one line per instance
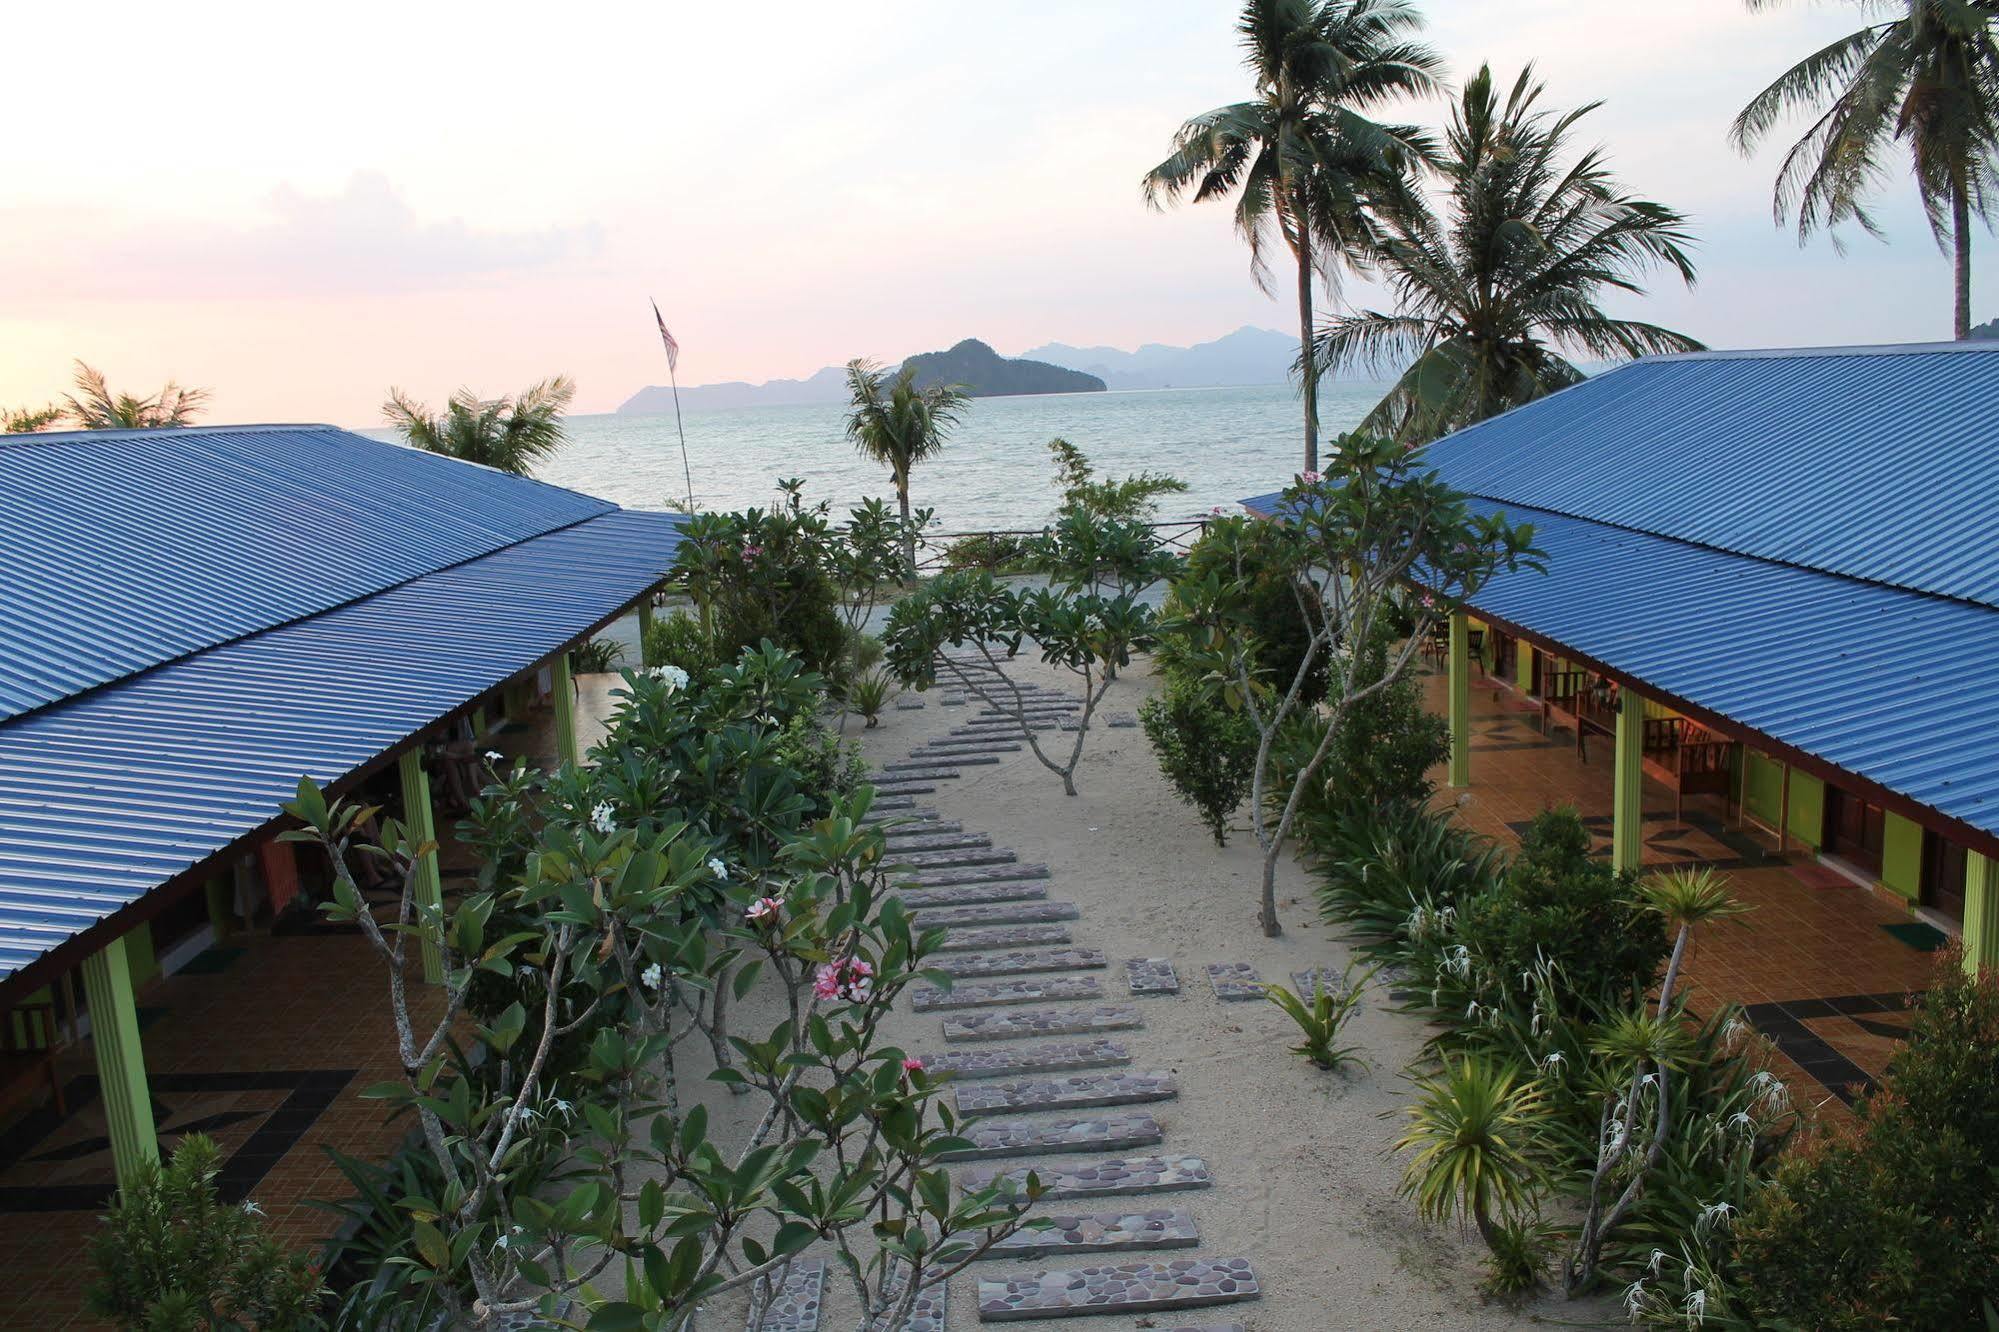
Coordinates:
125 549
110 794
1881 462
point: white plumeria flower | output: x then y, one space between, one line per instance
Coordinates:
651 976
601 818
719 870
494 756
675 678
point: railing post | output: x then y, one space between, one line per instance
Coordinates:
121 1061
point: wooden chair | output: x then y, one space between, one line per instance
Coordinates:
1689 759
28 1052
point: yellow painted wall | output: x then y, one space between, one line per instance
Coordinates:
1762 788
1902 856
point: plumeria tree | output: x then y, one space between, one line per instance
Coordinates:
1378 543
701 854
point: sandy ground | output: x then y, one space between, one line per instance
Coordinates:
1305 1179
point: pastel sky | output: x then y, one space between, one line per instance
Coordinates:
299 206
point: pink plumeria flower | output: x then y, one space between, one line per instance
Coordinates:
851 980
1220 511
763 911
912 1065
1310 478
826 981
752 551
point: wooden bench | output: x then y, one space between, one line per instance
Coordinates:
1688 758
28 1052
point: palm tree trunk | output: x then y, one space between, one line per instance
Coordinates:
908 534
1960 226
1309 368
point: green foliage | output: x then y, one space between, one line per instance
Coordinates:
28 420
1396 874
1253 560
1322 1016
95 407
508 434
1206 751
1475 1134
173 1257
996 552
1897 1222
869 694
1517 1256
596 656
1128 499
677 639
899 425
766 574
1380 756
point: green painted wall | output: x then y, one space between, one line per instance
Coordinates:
1902 856
1762 788
1523 667
1807 809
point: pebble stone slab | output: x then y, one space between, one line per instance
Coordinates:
931 838
1308 981
1028 990
930 827
1023 1137
947 877
924 774
927 1314
957 761
1235 981
795 1307
1102 1232
1123 721
1041 1022
1013 1060
1026 890
956 700
1120 1175
1151 975
968 857
1020 960
1078 1091
900 788
999 937
1182 1283
999 913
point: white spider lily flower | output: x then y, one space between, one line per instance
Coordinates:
1472 1011
1697 1305
1742 1121
1712 1215
675 678
1553 1060
1652 1264
602 818
250 1208
1634 1300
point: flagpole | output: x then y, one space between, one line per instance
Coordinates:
673 379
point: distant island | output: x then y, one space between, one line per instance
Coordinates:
984 373
1246 356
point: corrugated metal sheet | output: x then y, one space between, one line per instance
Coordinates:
1881 463
104 797
125 549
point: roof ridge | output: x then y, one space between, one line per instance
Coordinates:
32 438
1781 353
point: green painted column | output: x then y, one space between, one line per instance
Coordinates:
1981 914
121 1064
1627 837
421 829
1460 699
645 627
564 690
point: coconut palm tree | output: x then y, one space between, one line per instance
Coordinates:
899 425
28 420
1498 281
1300 155
1926 76
509 434
95 407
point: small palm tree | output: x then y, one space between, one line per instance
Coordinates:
508 434
28 420
1499 285
1473 1129
1928 77
94 407
1301 156
900 425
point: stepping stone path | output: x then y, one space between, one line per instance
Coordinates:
1183 1283
1101 1232
1019 960
1151 975
1079 1091
1013 1060
1028 990
795 1306
1308 981
1040 1022
1123 721
1026 1137
908 703
1234 981
1023 984
1123 1175
1001 937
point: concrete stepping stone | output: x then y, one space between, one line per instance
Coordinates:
1123 721
967 744
934 837
1019 1022
1032 1137
931 827
968 894
1141 1288
1000 937
954 700
928 774
1104 1232
947 877
1026 990
973 760
1014 1060
902 788
1020 960
1308 981
1078 1091
1234 981
1151 975
794 1307
968 857
1118 1176
909 703
998 913
891 806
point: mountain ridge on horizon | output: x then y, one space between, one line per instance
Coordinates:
1249 355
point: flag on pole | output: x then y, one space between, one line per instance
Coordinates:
672 347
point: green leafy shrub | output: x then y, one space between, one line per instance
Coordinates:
1396 874
869 694
766 574
1382 756
596 656
1477 1149
1206 751
1895 1222
678 640
173 1257
1253 559
1322 1016
995 552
